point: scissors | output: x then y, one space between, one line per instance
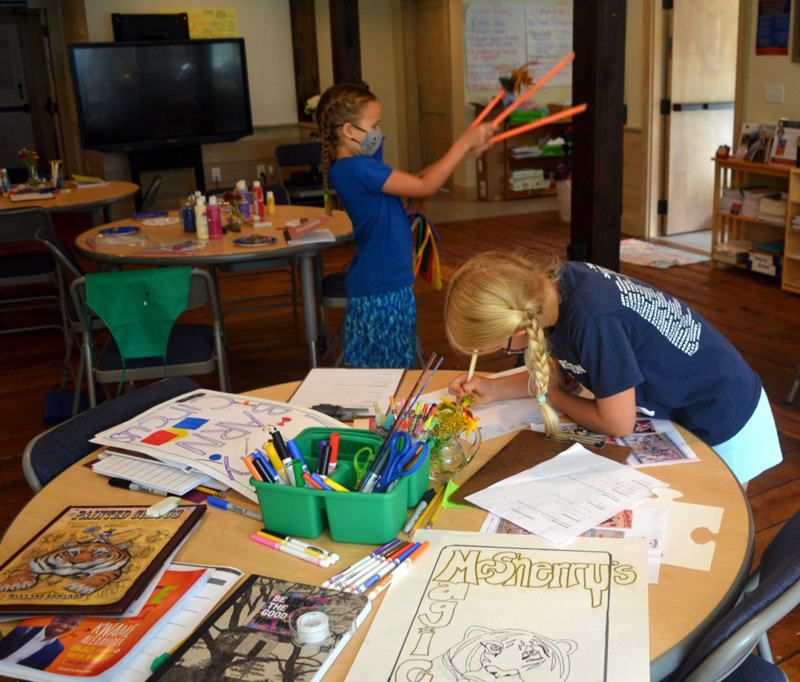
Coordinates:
405 457
362 467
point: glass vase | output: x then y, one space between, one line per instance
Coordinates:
34 181
451 454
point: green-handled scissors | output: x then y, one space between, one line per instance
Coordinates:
362 467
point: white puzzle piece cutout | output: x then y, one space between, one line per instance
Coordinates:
683 520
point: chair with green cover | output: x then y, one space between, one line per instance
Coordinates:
140 309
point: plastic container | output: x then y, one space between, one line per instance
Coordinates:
372 518
214 220
243 199
270 203
258 200
201 217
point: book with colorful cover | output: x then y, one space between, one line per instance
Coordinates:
251 634
93 559
63 647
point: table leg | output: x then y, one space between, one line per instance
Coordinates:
309 305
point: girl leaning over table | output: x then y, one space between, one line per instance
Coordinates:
628 343
380 318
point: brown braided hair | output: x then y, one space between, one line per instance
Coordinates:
491 297
339 104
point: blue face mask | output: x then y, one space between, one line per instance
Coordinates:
372 141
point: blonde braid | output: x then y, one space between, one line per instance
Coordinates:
537 361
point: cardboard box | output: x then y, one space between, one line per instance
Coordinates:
765 263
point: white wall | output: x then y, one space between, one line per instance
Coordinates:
769 70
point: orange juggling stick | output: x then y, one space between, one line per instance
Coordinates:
488 108
552 72
541 122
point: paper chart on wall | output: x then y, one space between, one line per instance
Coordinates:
478 606
212 432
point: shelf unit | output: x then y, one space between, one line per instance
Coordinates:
791 248
548 164
727 227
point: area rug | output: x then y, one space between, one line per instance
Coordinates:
657 256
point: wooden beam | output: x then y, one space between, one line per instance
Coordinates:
345 41
304 50
598 80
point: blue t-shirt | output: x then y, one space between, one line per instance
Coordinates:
614 333
383 260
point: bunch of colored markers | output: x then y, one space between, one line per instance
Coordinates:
281 462
418 425
375 572
297 548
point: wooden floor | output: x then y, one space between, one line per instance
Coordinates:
268 347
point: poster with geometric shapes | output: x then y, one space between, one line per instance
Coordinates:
485 607
212 432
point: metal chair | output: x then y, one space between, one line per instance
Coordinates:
299 169
261 267
149 199
191 348
21 267
53 451
773 590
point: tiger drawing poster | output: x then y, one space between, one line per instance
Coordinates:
481 606
93 559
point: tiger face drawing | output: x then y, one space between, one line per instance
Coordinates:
97 560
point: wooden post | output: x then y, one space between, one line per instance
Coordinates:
345 41
304 50
598 80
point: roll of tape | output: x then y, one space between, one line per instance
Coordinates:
312 627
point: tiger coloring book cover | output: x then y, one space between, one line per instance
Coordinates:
92 559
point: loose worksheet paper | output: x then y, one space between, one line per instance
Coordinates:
502 417
566 495
480 607
213 432
348 387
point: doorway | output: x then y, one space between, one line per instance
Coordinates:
28 111
699 91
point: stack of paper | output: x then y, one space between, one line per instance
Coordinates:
164 476
731 200
734 251
772 208
752 198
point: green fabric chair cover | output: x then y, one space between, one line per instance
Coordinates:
140 307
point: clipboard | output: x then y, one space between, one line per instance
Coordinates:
525 450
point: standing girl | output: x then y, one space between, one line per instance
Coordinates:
627 342
380 325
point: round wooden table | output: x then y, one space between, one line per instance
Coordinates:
681 605
93 200
222 251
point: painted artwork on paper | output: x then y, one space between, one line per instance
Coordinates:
481 607
212 432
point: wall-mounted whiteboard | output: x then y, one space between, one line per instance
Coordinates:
500 37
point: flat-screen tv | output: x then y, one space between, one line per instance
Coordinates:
154 94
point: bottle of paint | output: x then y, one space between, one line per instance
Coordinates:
187 214
258 199
214 221
243 199
270 203
201 217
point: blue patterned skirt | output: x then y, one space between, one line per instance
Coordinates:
381 330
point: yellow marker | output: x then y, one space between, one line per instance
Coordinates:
276 461
437 509
210 491
336 486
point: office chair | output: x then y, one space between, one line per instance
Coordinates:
333 294
772 591
53 451
148 201
21 267
795 386
299 170
186 349
261 267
